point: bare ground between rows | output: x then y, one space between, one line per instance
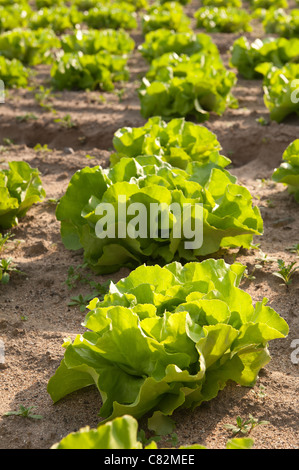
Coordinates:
34 313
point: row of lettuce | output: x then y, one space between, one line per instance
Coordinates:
186 76
213 15
192 327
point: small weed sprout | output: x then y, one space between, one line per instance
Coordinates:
7 267
244 426
286 272
24 412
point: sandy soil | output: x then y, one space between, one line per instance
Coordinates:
34 313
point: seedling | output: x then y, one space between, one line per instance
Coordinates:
8 142
262 121
75 275
250 276
82 301
24 412
53 201
120 93
261 259
141 436
270 203
42 148
6 268
261 392
173 439
286 271
42 97
66 121
294 249
26 117
4 239
244 426
102 98
264 258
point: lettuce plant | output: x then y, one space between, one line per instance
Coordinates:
120 433
47 3
227 217
76 71
169 15
182 2
279 21
133 5
20 188
58 18
92 41
280 87
246 56
255 4
177 142
185 86
13 73
169 337
116 15
223 19
221 3
30 47
14 16
137 4
162 40
288 171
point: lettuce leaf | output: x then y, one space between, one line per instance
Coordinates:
14 16
29 47
191 86
226 19
269 4
281 22
92 41
288 171
247 56
178 142
280 87
58 18
162 40
227 218
116 15
121 433
13 73
75 71
20 188
169 15
169 337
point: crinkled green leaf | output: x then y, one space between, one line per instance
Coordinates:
288 171
225 19
196 331
280 89
228 217
20 188
162 40
121 433
246 56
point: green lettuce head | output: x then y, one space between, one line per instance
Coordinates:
169 337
